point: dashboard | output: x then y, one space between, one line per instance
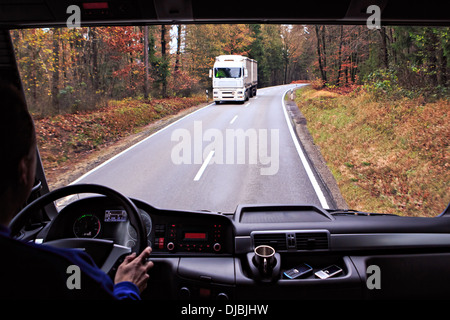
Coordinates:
168 232
206 255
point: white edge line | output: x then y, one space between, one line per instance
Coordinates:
234 119
135 145
203 167
312 178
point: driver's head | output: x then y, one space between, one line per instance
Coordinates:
17 152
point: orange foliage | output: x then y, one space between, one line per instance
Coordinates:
68 137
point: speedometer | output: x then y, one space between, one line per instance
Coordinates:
87 226
147 225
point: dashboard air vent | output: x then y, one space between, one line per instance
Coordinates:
275 240
312 241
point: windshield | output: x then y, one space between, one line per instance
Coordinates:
227 72
336 116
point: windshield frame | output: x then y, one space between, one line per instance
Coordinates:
244 72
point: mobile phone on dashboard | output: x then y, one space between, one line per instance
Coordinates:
328 272
299 271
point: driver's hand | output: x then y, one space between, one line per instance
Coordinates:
134 269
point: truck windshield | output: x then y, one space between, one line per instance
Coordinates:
227 72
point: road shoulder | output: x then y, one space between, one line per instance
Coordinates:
68 174
314 154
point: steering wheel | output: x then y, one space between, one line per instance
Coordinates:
93 246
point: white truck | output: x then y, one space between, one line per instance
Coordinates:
234 78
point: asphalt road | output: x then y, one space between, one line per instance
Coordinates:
216 158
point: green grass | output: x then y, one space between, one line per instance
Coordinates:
386 155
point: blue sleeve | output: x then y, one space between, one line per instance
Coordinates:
126 290
122 290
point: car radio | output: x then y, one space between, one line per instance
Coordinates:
188 238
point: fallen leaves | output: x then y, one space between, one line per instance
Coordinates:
389 156
67 138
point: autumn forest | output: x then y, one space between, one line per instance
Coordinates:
90 87
67 70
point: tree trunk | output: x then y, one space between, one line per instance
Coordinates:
146 62
94 46
432 56
55 76
177 58
324 51
340 56
383 48
286 61
442 61
319 56
164 62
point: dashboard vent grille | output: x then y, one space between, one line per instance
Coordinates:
312 241
275 240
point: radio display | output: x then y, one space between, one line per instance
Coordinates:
115 216
195 236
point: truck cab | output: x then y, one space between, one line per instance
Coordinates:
234 78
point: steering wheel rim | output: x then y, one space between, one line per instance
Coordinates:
20 219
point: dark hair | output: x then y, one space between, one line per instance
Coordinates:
17 134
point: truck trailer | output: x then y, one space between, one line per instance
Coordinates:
234 78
